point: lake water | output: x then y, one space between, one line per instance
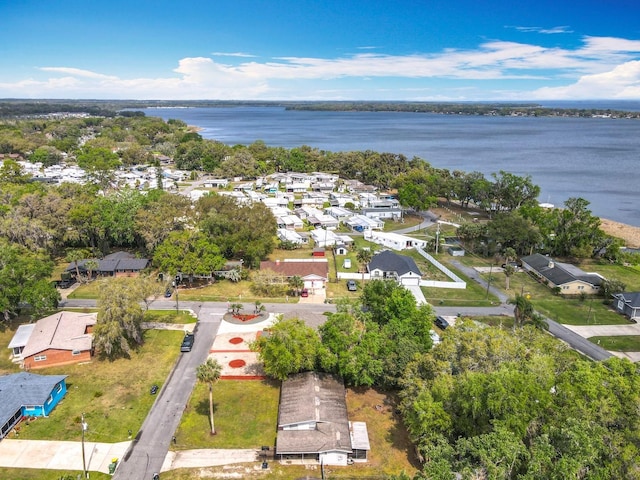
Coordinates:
593 158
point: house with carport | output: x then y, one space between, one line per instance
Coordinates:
313 424
28 395
60 339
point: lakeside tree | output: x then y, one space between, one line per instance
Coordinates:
209 373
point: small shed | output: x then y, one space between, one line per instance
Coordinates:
346 263
341 249
456 251
318 252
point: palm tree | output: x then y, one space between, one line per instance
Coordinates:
364 257
296 283
259 307
235 308
91 265
75 256
508 271
209 373
523 310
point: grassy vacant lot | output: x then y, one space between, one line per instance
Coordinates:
475 295
245 415
36 474
622 343
391 451
169 316
114 396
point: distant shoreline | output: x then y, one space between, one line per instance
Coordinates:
629 233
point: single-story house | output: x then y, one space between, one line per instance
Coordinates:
118 264
340 214
313 272
360 223
628 303
28 395
216 182
324 238
570 279
286 235
313 422
395 241
59 339
390 265
291 222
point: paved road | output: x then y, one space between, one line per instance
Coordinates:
573 339
148 451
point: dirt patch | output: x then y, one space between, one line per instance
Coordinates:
628 233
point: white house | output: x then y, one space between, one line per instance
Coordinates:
395 241
324 238
360 223
390 265
286 235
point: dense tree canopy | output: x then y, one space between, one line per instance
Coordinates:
488 403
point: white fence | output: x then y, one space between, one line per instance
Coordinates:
457 282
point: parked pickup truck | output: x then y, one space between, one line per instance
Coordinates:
187 342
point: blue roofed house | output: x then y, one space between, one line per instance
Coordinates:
628 303
28 395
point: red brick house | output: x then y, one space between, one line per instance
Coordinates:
314 272
59 339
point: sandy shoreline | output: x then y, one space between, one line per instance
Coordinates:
630 234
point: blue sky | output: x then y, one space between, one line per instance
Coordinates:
429 50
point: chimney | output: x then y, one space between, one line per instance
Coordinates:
551 264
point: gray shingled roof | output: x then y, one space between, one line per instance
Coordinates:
388 261
117 261
24 389
313 398
559 273
632 299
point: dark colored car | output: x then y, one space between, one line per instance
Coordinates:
352 286
154 390
187 342
441 322
167 293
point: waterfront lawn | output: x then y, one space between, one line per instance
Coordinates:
630 276
114 396
245 415
622 343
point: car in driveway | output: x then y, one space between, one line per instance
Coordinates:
168 293
187 342
351 285
304 293
441 322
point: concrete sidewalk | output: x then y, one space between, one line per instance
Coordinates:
63 455
59 455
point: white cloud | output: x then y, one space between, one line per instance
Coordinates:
232 54
547 31
623 82
603 67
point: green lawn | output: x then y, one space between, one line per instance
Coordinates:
630 276
169 316
622 343
475 295
114 396
245 415
36 474
504 321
